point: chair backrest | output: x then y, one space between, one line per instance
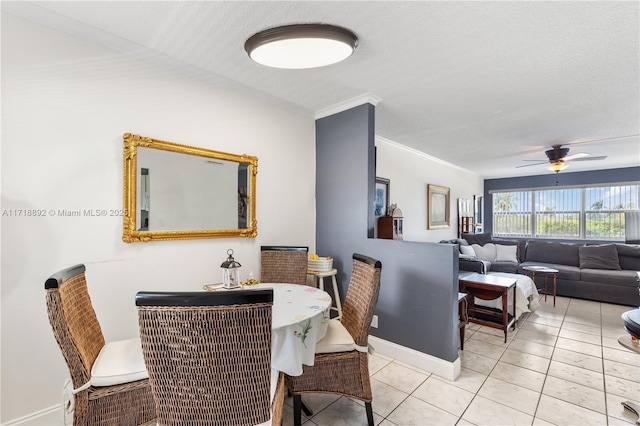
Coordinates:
362 297
283 264
208 355
74 322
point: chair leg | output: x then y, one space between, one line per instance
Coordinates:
297 410
306 410
367 406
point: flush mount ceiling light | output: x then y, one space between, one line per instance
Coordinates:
301 46
556 166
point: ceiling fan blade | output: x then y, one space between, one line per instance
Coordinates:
579 142
539 161
576 156
534 164
601 157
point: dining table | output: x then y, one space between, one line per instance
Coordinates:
300 317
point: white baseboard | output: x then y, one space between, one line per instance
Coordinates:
431 364
51 416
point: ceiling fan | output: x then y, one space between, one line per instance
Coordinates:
558 157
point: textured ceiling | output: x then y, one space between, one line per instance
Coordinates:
483 85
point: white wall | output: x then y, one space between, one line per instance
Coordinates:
409 172
65 106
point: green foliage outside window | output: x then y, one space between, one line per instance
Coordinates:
558 213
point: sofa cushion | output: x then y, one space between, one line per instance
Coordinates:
506 253
622 278
467 250
599 257
462 242
629 256
521 244
485 252
474 265
553 252
510 267
480 239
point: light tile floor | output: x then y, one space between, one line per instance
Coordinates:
562 365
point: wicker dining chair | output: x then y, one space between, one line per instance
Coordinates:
209 357
110 384
283 264
341 360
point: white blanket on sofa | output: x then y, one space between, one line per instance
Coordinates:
526 295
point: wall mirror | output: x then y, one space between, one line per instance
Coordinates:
478 212
178 192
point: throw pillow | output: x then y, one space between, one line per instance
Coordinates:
485 252
480 239
506 253
599 257
467 250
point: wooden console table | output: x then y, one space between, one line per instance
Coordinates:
489 287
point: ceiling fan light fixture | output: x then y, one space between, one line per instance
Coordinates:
301 46
556 166
556 153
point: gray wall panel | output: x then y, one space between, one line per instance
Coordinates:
417 307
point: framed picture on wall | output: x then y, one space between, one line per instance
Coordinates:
438 209
381 201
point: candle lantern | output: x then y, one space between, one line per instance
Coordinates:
230 272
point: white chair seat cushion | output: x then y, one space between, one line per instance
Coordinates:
119 362
337 339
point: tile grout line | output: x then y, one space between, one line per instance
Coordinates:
535 415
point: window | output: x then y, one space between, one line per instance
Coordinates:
577 213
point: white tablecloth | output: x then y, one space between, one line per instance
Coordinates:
526 295
300 320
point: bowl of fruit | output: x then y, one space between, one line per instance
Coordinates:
319 264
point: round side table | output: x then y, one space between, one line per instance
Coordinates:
319 283
632 325
546 272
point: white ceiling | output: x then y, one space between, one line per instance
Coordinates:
483 85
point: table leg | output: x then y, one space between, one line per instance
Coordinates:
505 313
555 282
464 318
336 295
514 308
546 289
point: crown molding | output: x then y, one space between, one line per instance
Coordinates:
420 153
367 98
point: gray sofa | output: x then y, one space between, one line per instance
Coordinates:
605 273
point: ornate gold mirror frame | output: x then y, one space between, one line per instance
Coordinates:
134 231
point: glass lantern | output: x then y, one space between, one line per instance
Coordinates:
230 272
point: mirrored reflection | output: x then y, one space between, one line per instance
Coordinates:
184 192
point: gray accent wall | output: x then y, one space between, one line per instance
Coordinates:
418 303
